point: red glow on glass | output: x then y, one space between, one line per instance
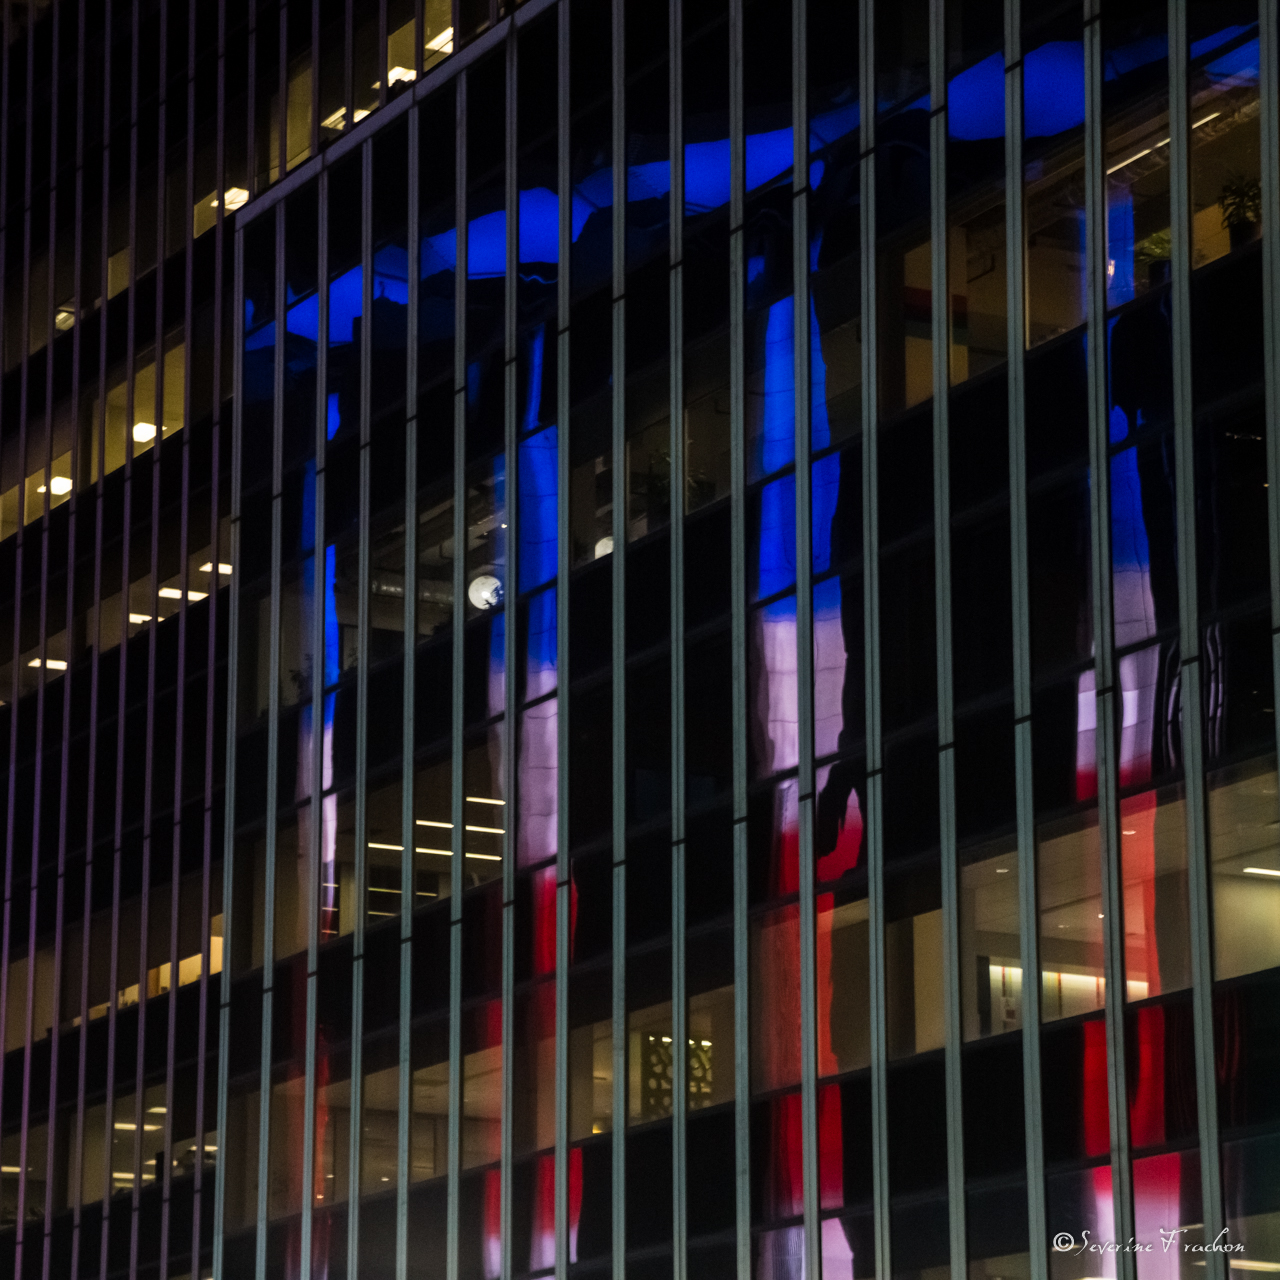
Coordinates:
1093 1090
830 1148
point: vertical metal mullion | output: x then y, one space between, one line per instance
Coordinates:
563 886
679 968
941 335
1107 732
871 606
804 639
1269 94
316 836
221 437
182 457
280 143
59 886
675 345
1028 917
75 1123
738 640
6 20
362 718
1189 636
229 822
408 875
459 621
511 593
273 743
618 451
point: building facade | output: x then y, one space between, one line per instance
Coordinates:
868 412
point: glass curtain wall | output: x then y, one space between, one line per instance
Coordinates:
803 799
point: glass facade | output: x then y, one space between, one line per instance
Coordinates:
645 645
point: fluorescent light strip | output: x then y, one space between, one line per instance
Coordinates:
492 831
1115 168
483 800
1260 871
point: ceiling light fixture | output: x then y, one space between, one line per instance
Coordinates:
485 592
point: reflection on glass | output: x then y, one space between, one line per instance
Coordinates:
591 507
1244 852
839 827
649 1063
706 423
775 999
384 846
484 808
538 477
834 208
711 1048
379 1129
1136 152
843 984
435 563
338 888
534 1070
432 832
486 537
771 538
386 589
1053 188
239 1142
429 1100
774 714
649 475
1248 1193
770 403
482 1084
1153 852
1069 879
990 945
333 1129
913 969
1226 190
905 305
778 1174
977 305
91 1156
1076 1203
590 1079
293 885
286 1177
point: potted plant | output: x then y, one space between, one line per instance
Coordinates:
1241 205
